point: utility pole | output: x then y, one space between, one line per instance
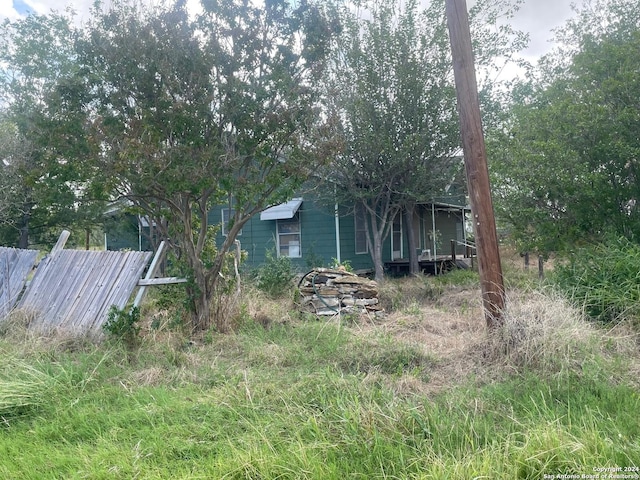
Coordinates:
475 158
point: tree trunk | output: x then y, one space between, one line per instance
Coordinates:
375 239
23 240
376 253
208 290
199 294
414 266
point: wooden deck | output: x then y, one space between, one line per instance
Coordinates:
400 267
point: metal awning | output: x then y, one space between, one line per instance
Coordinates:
282 211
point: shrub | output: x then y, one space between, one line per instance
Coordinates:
603 279
275 275
123 324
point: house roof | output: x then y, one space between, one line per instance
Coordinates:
282 211
458 202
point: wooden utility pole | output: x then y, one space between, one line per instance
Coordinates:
475 158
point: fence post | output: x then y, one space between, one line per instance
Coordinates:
540 267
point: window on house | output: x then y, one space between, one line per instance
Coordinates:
227 217
396 237
361 230
289 237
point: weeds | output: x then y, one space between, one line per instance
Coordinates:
603 279
22 387
543 332
274 277
324 399
123 325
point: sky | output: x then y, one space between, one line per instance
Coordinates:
537 17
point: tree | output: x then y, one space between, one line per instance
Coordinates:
48 193
10 160
188 114
393 96
566 162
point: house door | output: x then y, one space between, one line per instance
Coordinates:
396 238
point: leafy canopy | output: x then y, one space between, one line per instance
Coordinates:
566 161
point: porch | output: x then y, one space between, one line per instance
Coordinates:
435 265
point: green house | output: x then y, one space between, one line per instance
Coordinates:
313 234
127 231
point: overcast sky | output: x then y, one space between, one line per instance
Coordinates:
538 17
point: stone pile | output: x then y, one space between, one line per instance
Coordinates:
325 291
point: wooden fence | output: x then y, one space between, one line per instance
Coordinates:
73 290
15 267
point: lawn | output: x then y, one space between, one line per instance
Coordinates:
422 392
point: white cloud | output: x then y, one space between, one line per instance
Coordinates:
536 17
539 18
7 10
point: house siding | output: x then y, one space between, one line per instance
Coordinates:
122 232
358 261
317 235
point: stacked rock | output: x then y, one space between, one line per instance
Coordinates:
327 291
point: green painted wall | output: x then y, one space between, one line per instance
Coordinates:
317 235
347 241
122 233
318 238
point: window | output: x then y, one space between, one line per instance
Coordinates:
396 237
361 230
227 217
289 237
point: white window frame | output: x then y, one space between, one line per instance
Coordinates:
289 221
400 250
360 227
226 214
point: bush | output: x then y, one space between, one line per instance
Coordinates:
603 279
275 276
123 324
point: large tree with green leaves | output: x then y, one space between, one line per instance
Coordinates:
41 151
566 162
393 97
191 113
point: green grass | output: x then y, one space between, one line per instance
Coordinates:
306 400
602 279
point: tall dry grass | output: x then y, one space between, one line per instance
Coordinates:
544 332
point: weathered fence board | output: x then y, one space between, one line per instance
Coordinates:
15 266
73 290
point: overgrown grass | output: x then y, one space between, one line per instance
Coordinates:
603 279
22 388
311 399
